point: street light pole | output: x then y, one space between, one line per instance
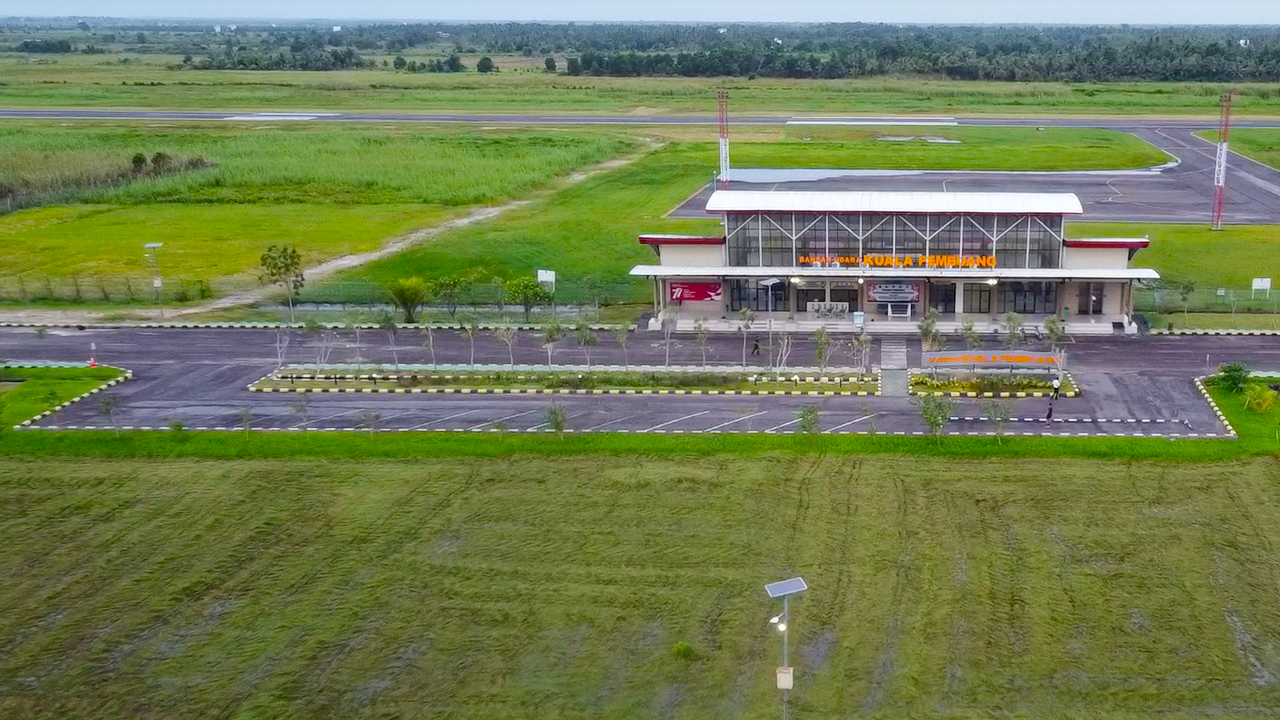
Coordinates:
785 676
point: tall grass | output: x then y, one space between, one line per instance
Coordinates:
289 164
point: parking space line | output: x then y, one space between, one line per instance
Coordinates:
744 417
446 417
504 419
328 417
673 422
604 424
779 427
845 425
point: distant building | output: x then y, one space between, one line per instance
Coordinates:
337 28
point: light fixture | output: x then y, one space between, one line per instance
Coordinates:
861 280
775 619
782 627
795 280
992 281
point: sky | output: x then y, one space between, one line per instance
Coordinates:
1245 12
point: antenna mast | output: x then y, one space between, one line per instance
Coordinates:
722 102
1220 168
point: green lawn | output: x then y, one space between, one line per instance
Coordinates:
976 148
589 228
1260 145
72 80
23 401
219 243
533 587
1226 258
1221 321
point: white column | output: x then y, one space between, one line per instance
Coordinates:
959 299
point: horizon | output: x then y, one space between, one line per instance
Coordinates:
906 12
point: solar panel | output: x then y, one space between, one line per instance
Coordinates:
786 587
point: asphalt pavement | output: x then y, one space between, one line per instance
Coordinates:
199 377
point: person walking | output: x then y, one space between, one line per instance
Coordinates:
1048 417
1057 389
755 347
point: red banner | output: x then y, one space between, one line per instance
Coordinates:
696 291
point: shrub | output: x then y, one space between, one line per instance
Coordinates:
1259 398
682 651
1233 377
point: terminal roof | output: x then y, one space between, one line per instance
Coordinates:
995 203
973 275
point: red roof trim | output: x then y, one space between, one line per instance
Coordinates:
1131 244
680 240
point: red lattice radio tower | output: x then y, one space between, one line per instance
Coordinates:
722 102
1220 167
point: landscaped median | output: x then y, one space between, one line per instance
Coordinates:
31 392
991 385
560 381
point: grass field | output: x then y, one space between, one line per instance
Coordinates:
559 588
1234 321
1260 145
72 80
220 243
1226 258
284 163
23 401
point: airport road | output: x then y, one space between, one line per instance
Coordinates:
199 378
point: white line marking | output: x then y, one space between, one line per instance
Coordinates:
446 417
504 419
603 424
845 425
329 417
744 417
776 427
673 422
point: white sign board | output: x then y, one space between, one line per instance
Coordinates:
786 678
893 292
1262 285
547 276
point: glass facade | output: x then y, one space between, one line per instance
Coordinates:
841 240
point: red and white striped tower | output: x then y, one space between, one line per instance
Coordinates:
1220 168
722 101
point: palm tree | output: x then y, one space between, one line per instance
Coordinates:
408 294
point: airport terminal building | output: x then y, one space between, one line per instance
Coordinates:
880 260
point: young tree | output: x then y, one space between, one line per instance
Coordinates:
399 63
246 419
1013 330
785 344
700 334
587 340
810 417
388 323
508 336
668 320
448 290
1186 289
999 412
283 266
282 345
302 408
50 400
971 337
528 292
1054 331
431 345
822 348
622 334
594 288
557 419
485 65
471 330
862 343
107 407
407 295
930 339
745 319
551 334
936 412
549 64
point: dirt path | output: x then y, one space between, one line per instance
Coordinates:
329 267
